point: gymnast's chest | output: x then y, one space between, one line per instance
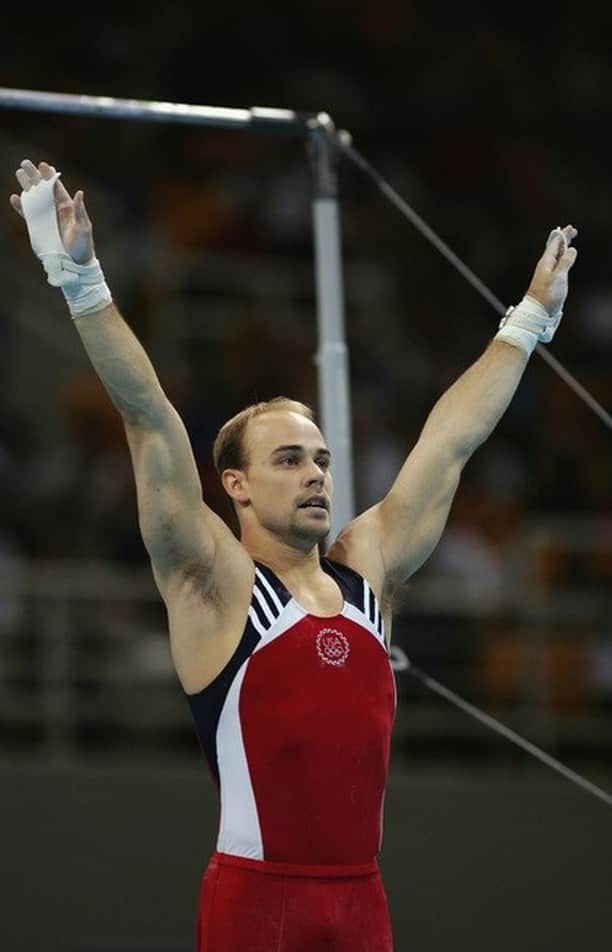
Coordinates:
323 671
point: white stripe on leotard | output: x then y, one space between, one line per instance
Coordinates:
259 628
264 581
264 605
239 829
355 614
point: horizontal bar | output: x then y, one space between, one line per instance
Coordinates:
256 119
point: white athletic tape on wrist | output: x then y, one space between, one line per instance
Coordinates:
88 290
528 323
83 285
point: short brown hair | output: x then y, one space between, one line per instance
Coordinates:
229 451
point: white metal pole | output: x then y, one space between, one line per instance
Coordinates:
332 355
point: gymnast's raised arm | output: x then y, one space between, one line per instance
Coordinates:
391 540
181 534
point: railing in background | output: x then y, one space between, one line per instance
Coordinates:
86 670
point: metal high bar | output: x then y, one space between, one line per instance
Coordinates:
324 152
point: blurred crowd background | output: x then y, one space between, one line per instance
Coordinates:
489 124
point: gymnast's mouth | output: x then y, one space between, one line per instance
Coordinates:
315 502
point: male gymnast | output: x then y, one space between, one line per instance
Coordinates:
281 653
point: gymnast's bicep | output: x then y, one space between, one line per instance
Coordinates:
179 530
413 514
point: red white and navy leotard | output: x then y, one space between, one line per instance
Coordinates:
296 729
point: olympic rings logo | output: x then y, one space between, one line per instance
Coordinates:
332 647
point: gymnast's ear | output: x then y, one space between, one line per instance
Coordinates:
234 483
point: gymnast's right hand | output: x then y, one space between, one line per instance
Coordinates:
73 221
61 236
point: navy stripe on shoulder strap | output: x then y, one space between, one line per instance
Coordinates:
351 583
272 587
356 591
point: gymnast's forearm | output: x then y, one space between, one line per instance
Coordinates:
121 363
468 412
61 235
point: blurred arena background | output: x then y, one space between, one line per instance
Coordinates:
494 126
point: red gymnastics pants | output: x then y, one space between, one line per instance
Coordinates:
256 906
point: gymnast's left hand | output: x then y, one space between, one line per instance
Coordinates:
549 284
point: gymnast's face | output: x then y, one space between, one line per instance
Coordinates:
288 466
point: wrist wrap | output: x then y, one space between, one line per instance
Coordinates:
83 285
527 323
